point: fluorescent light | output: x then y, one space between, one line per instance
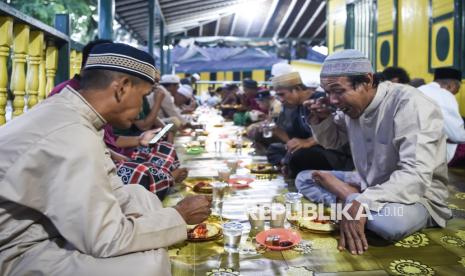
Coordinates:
248 10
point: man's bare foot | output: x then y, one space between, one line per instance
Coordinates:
333 184
179 174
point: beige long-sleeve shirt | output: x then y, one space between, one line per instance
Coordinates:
58 182
398 147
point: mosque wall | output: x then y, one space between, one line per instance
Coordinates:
308 70
418 35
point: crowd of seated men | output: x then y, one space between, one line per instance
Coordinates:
82 188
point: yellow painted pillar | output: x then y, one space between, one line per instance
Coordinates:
219 78
42 78
77 63
229 76
36 41
6 29
51 63
18 76
201 89
72 63
258 75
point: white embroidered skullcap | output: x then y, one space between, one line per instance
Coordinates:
196 76
185 90
279 69
348 62
168 79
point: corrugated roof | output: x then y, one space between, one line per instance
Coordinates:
289 19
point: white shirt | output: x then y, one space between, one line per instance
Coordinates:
210 100
453 123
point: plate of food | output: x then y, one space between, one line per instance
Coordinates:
278 238
195 150
319 226
240 182
262 168
203 232
233 145
203 186
192 144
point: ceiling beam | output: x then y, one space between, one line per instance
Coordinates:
195 20
133 17
297 18
312 19
160 13
233 25
283 21
206 16
139 20
134 12
177 16
217 27
178 3
200 5
120 3
268 18
317 32
132 7
131 30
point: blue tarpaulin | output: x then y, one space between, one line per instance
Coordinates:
212 59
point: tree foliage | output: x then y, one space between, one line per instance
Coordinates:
83 25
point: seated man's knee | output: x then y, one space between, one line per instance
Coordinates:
395 228
303 178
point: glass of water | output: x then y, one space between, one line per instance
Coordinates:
232 165
224 174
256 215
278 215
268 129
232 232
219 189
295 201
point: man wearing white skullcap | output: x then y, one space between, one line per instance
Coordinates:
170 113
184 98
186 91
398 146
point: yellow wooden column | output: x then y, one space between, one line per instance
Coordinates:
6 29
77 63
72 63
36 41
42 78
18 76
51 63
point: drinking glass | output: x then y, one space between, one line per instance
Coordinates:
295 201
256 217
232 232
224 174
278 215
219 189
268 129
232 165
